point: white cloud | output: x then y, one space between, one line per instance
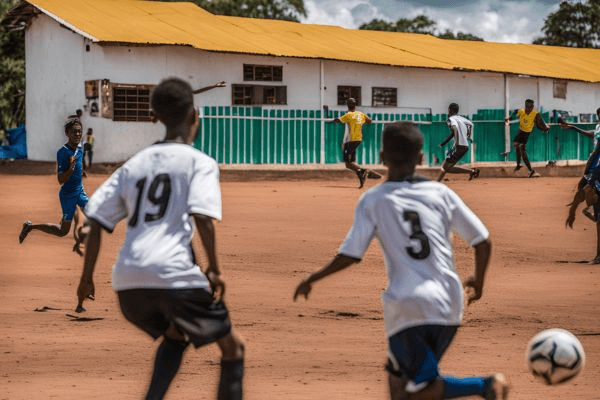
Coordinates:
493 20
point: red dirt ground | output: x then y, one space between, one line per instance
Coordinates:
330 347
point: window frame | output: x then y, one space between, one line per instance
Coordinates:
251 94
136 106
357 94
374 96
262 73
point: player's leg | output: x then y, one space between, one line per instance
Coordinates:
449 164
350 162
232 367
80 232
577 200
414 356
517 147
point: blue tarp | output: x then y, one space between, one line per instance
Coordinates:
17 147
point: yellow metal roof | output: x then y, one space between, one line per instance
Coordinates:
167 23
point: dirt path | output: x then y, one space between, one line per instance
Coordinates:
331 347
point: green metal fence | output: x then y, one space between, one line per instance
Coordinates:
256 135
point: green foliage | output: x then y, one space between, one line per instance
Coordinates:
575 24
12 73
289 10
419 24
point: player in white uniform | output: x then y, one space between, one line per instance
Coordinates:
163 191
461 129
423 303
588 189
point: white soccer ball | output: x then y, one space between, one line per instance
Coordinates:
555 356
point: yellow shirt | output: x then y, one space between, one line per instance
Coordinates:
355 121
526 121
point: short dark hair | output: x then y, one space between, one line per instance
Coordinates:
172 101
71 121
598 110
401 142
351 102
453 107
529 101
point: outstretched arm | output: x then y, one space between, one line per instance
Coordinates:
565 125
206 230
453 134
207 88
539 122
475 283
339 262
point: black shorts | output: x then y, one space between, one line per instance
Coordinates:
350 151
192 311
456 154
522 137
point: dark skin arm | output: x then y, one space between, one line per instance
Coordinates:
539 122
565 125
474 283
453 134
339 263
65 175
206 230
207 88
86 289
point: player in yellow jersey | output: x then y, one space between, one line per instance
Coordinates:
528 118
353 138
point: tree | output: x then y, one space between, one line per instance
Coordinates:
419 24
575 24
289 10
12 72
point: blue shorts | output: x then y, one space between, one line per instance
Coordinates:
69 201
414 353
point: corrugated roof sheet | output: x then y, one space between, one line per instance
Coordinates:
167 23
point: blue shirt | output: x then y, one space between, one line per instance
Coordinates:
75 182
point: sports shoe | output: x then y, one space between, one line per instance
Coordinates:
518 167
373 175
25 231
362 177
497 389
474 173
533 174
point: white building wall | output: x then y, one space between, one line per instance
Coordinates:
58 64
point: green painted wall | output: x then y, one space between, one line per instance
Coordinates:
253 135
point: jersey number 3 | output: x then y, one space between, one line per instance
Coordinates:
417 234
159 199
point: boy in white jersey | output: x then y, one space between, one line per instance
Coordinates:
162 191
460 128
588 189
423 302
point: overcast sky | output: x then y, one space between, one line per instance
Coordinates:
493 20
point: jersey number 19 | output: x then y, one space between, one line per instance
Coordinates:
156 197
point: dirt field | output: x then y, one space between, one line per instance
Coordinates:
330 347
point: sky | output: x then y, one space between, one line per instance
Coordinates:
493 20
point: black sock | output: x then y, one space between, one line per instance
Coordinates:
166 365
230 383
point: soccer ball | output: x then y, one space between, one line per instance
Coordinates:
555 356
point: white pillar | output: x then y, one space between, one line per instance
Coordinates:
322 103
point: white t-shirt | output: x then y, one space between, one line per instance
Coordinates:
464 127
413 221
157 190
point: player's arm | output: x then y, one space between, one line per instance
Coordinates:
86 289
207 88
566 125
453 134
206 230
64 176
339 263
368 120
475 282
539 122
591 159
334 121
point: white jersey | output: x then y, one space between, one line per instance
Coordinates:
464 128
157 190
413 221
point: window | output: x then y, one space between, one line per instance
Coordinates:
560 89
258 95
345 92
263 73
131 102
384 97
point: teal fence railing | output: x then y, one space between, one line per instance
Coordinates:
256 135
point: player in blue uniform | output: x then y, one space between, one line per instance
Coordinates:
588 188
72 194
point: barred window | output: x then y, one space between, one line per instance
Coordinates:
131 102
345 92
258 95
560 89
263 73
384 97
